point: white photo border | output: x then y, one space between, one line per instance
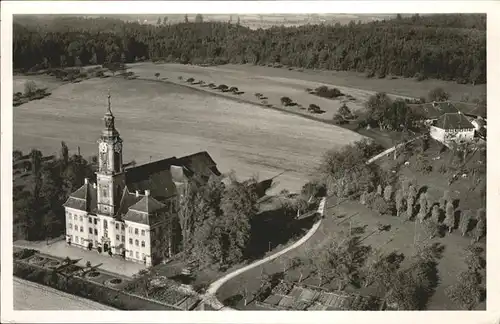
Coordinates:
492 8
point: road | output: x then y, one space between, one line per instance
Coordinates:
210 297
32 296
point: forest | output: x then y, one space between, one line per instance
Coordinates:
447 47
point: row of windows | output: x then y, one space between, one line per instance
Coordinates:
136 231
131 242
118 237
81 229
131 254
75 217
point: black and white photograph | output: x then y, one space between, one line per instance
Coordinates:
246 161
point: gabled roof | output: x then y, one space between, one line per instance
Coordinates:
434 110
453 121
145 211
84 198
158 178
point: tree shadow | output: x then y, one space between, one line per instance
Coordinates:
422 190
358 230
456 218
233 300
456 203
271 228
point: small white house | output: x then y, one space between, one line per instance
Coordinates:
452 127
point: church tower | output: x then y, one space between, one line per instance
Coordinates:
110 176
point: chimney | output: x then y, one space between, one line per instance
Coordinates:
86 180
146 192
137 193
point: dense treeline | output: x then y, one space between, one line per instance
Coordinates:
41 186
441 46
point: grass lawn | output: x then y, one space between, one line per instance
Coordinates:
342 217
467 190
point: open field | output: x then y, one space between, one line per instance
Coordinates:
159 120
275 83
32 296
362 221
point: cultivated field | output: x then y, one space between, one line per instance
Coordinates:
159 120
32 296
275 83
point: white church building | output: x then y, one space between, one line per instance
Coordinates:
131 213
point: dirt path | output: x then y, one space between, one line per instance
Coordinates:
210 296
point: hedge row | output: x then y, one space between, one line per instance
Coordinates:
86 289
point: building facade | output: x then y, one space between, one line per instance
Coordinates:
131 213
452 127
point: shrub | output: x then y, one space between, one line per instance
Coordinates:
157 75
388 193
326 92
179 77
286 101
29 88
222 87
465 221
190 80
438 94
314 108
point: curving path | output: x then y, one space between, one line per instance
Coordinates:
210 297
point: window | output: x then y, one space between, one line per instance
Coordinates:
131 253
76 239
123 238
81 218
117 237
90 219
130 230
96 243
143 232
137 255
70 226
76 218
143 256
130 241
81 229
95 221
105 224
136 231
105 234
143 244
123 227
117 226
90 230
137 242
95 231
